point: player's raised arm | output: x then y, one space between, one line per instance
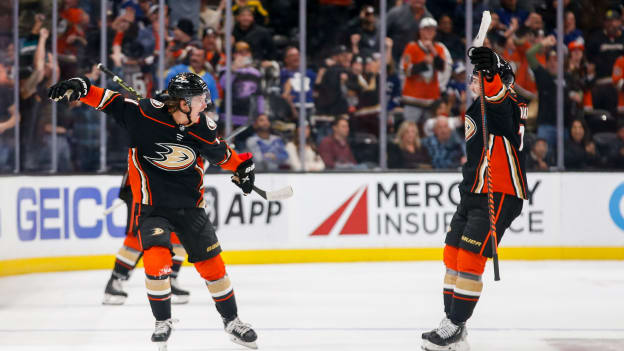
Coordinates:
111 102
498 73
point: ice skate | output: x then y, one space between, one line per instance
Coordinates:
161 334
114 294
241 333
178 296
447 337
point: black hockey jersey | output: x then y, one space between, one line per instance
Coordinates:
165 165
506 115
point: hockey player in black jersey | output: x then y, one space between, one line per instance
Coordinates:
167 142
468 242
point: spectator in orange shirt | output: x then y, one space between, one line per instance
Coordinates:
427 67
525 80
214 56
74 36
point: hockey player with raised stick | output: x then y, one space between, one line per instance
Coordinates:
468 241
167 141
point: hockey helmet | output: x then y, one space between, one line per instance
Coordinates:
187 85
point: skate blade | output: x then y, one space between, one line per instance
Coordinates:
179 299
162 345
458 346
251 345
113 300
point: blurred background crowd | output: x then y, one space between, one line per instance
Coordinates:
425 90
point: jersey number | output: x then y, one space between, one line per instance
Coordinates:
524 114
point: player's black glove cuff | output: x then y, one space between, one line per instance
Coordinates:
245 176
484 59
75 88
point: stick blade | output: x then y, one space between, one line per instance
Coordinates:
486 19
280 194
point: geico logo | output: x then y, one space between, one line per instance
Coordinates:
616 209
57 213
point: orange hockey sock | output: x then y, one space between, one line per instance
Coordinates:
219 285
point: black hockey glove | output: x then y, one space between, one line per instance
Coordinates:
484 59
75 88
245 175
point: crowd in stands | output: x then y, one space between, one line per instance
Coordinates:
425 90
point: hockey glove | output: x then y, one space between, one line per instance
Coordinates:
245 176
74 89
484 59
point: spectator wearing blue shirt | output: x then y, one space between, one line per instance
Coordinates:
444 148
508 10
269 151
290 80
571 33
197 60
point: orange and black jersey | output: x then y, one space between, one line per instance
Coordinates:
506 115
165 165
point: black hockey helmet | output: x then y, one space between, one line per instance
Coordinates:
186 85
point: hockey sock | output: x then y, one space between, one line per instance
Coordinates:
177 260
468 285
449 286
450 261
219 285
157 261
127 257
465 297
223 296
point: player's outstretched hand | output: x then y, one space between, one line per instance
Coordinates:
74 89
483 59
245 175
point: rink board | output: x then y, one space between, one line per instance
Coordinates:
52 223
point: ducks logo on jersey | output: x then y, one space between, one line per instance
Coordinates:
175 157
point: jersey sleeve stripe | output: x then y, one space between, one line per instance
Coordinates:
107 102
478 168
481 185
522 182
199 167
204 140
513 168
499 97
154 119
144 185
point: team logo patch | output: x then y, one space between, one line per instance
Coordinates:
470 127
158 231
175 157
156 103
211 124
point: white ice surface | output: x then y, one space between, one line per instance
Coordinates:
538 306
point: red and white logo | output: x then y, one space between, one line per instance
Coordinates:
351 218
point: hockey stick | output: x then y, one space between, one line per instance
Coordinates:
119 81
279 194
109 210
485 24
